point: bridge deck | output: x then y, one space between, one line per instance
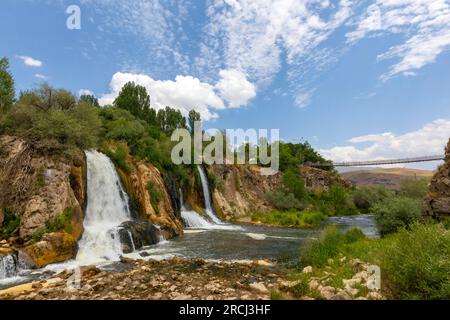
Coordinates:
378 162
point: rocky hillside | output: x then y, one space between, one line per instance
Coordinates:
35 190
437 202
241 189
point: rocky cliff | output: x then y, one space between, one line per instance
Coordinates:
241 189
437 202
35 189
141 180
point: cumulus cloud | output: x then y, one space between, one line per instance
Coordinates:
425 23
31 62
186 92
234 87
428 140
85 92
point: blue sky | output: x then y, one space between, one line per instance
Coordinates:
360 80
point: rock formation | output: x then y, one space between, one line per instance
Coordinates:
136 182
437 202
39 188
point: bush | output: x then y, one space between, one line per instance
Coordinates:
417 265
294 183
416 189
328 246
366 197
11 221
301 219
396 212
155 195
119 154
62 221
336 201
54 131
284 201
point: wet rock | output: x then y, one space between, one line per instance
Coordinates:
138 233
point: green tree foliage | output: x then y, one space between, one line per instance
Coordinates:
47 98
120 124
294 183
336 201
294 154
7 92
11 223
89 99
396 212
54 131
284 201
365 197
136 100
192 118
170 119
411 188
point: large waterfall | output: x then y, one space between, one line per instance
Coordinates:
107 208
208 206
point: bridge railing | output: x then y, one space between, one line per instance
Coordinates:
375 162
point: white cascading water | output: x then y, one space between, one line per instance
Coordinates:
208 207
8 267
107 209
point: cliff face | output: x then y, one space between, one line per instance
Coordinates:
38 189
437 202
136 182
241 189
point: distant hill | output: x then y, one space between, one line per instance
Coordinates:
390 177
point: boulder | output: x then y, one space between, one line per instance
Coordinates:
138 234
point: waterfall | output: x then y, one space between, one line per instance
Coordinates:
8 267
208 207
133 246
106 210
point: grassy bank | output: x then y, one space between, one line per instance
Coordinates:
298 219
414 262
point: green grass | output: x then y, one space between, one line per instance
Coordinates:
414 262
299 219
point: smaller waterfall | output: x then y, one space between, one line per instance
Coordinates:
208 207
193 220
133 246
8 267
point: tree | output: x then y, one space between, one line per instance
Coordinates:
193 117
7 92
48 98
293 183
136 100
90 99
170 119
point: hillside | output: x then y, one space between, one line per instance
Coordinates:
389 177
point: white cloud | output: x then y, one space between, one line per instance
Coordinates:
234 87
425 23
251 35
428 140
303 99
41 76
31 62
186 92
85 92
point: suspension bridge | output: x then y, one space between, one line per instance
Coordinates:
375 162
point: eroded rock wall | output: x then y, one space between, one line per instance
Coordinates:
38 188
136 182
437 202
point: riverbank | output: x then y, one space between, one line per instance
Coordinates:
177 279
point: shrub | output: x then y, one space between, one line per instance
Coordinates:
417 265
366 197
336 201
396 212
284 201
411 188
155 195
11 221
294 183
119 156
328 246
